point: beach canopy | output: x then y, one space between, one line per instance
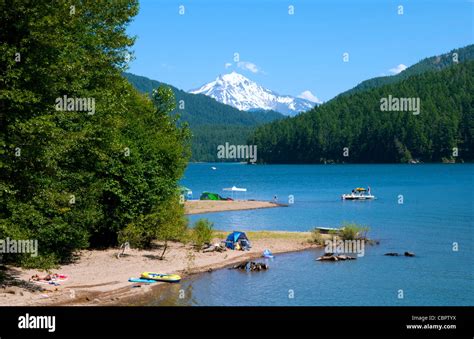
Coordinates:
234 237
235 189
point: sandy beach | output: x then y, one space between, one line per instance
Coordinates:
208 206
98 277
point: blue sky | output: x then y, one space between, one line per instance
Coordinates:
293 53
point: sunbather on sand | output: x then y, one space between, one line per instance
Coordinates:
48 277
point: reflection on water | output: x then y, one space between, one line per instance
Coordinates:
172 294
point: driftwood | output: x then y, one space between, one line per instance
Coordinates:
251 266
214 248
123 247
333 257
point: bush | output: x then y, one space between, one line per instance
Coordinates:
353 231
136 234
202 232
316 237
166 223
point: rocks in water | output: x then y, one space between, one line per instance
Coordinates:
241 266
258 266
333 257
345 257
251 266
372 242
394 254
328 258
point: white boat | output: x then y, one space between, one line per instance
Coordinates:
358 194
328 230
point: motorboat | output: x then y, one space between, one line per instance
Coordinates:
358 194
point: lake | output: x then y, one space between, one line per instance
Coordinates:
425 209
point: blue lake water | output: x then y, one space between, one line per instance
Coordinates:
437 211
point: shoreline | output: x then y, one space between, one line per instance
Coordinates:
192 207
131 300
99 278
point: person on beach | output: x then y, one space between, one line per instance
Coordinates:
48 277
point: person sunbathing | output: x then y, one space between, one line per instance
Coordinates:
48 277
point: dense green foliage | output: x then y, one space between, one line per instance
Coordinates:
69 178
434 63
356 123
316 237
212 123
352 231
202 232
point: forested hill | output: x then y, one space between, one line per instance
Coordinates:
212 123
434 63
202 110
354 129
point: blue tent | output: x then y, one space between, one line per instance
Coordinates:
235 237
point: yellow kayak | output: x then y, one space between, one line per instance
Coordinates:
161 277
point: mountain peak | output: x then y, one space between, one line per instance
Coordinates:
238 91
232 77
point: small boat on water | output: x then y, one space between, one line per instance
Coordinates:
358 194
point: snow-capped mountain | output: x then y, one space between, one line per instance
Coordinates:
240 92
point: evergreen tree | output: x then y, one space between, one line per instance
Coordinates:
71 177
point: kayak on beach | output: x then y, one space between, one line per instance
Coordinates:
141 280
161 277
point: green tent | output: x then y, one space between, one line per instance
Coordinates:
210 196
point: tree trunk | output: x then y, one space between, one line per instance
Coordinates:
164 250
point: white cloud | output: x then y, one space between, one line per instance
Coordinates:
249 66
227 65
309 96
397 69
